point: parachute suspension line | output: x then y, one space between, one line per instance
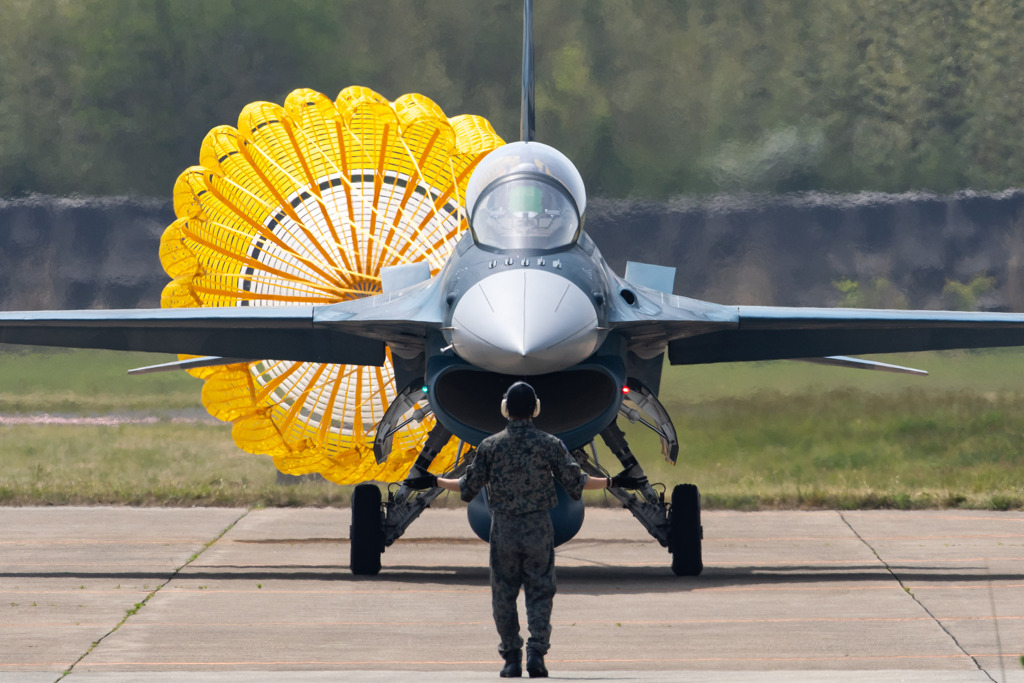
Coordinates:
379 178
291 298
321 388
384 246
317 192
287 207
300 400
347 378
458 228
399 255
272 370
416 164
325 421
314 188
295 404
357 426
377 188
245 259
434 215
282 201
381 381
270 366
460 211
320 295
311 261
379 391
372 209
378 184
267 389
339 135
295 285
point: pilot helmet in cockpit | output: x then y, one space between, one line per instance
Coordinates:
526 195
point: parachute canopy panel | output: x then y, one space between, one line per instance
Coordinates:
306 203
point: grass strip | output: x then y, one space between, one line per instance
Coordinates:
752 436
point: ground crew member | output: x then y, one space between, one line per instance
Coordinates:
519 466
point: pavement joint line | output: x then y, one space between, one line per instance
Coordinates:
139 605
913 597
995 621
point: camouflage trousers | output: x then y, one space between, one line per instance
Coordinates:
522 554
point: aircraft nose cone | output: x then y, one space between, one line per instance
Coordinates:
524 322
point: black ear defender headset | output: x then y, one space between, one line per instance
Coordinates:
520 392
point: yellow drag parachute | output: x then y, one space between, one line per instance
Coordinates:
304 204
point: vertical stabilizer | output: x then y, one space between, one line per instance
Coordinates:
526 120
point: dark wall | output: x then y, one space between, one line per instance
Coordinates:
788 250
785 250
81 252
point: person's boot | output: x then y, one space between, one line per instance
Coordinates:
535 664
513 665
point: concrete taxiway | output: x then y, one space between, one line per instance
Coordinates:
129 594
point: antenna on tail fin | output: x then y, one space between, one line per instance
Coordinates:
526 119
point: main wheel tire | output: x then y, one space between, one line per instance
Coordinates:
366 532
685 531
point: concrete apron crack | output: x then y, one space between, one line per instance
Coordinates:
142 603
913 597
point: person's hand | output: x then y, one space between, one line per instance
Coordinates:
422 482
624 480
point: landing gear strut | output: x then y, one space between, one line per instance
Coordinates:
375 526
675 526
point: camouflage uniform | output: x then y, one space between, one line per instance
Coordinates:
517 465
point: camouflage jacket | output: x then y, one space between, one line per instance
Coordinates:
517 465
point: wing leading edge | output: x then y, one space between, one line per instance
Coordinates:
770 332
348 333
282 333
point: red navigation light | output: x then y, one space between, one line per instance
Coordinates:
625 389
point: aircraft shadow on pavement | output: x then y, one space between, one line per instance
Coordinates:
573 579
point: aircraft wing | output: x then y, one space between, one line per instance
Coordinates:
352 332
769 332
282 333
697 331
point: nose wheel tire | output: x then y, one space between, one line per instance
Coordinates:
685 531
366 532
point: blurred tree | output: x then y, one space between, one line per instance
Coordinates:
965 296
649 97
879 293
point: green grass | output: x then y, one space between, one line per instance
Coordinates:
752 435
160 464
850 449
90 382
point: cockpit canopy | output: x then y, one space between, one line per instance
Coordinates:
526 195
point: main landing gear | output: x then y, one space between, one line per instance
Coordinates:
675 525
366 532
376 525
685 532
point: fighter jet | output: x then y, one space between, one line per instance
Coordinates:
526 294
